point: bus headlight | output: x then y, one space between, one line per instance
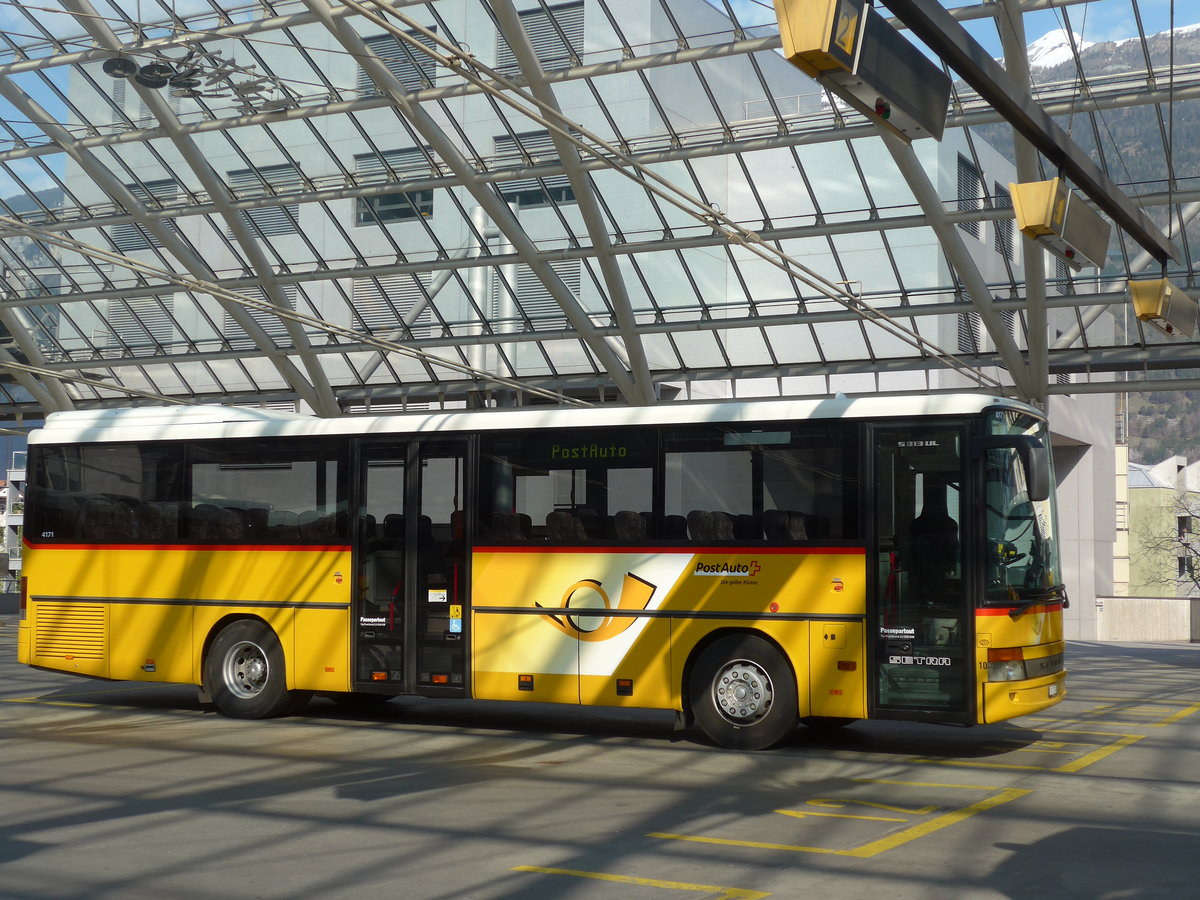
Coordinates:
1006 664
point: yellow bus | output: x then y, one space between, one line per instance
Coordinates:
750 565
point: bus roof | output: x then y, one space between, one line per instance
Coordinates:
186 423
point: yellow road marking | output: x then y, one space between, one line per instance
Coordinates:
1109 723
757 845
873 848
38 701
1165 701
842 802
974 764
719 893
1130 709
802 814
1113 734
937 824
934 784
120 686
1098 754
1181 714
1122 741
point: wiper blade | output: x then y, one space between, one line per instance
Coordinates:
1058 591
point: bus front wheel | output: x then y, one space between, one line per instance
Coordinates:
743 693
244 673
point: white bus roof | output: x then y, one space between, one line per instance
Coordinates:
187 423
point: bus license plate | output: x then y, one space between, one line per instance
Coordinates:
1053 690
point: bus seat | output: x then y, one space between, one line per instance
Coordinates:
745 528
255 521
316 527
170 516
563 527
104 519
511 526
674 528
722 526
284 524
783 525
629 525
226 525
590 521
148 522
366 529
201 521
393 526
60 514
700 525
815 526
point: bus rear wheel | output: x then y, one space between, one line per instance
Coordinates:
244 673
743 693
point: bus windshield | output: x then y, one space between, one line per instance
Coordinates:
1023 565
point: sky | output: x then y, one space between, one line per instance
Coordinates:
1113 20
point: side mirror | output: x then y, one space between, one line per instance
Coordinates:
1035 459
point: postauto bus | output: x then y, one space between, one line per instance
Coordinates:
749 565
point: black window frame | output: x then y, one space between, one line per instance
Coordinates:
168 511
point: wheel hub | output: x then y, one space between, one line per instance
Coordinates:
742 692
246 669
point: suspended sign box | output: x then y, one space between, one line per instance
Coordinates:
851 49
1062 222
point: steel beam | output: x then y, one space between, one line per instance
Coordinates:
942 33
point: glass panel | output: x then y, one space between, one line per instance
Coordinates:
379 647
570 487
921 658
441 587
774 483
265 492
1022 550
106 493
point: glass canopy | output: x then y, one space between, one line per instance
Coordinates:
336 207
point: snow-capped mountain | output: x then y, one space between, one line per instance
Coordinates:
1053 48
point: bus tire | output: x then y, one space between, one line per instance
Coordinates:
743 693
245 675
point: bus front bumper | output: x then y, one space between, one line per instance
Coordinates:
1007 700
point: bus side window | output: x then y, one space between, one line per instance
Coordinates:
568 487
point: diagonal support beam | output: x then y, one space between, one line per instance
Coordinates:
484 194
949 40
314 390
585 198
950 238
1012 38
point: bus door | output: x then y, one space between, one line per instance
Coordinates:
412 583
923 623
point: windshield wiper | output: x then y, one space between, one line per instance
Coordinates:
1051 593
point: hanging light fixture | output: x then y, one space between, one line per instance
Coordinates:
120 67
154 75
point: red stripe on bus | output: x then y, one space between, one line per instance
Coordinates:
303 548
1004 611
690 551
